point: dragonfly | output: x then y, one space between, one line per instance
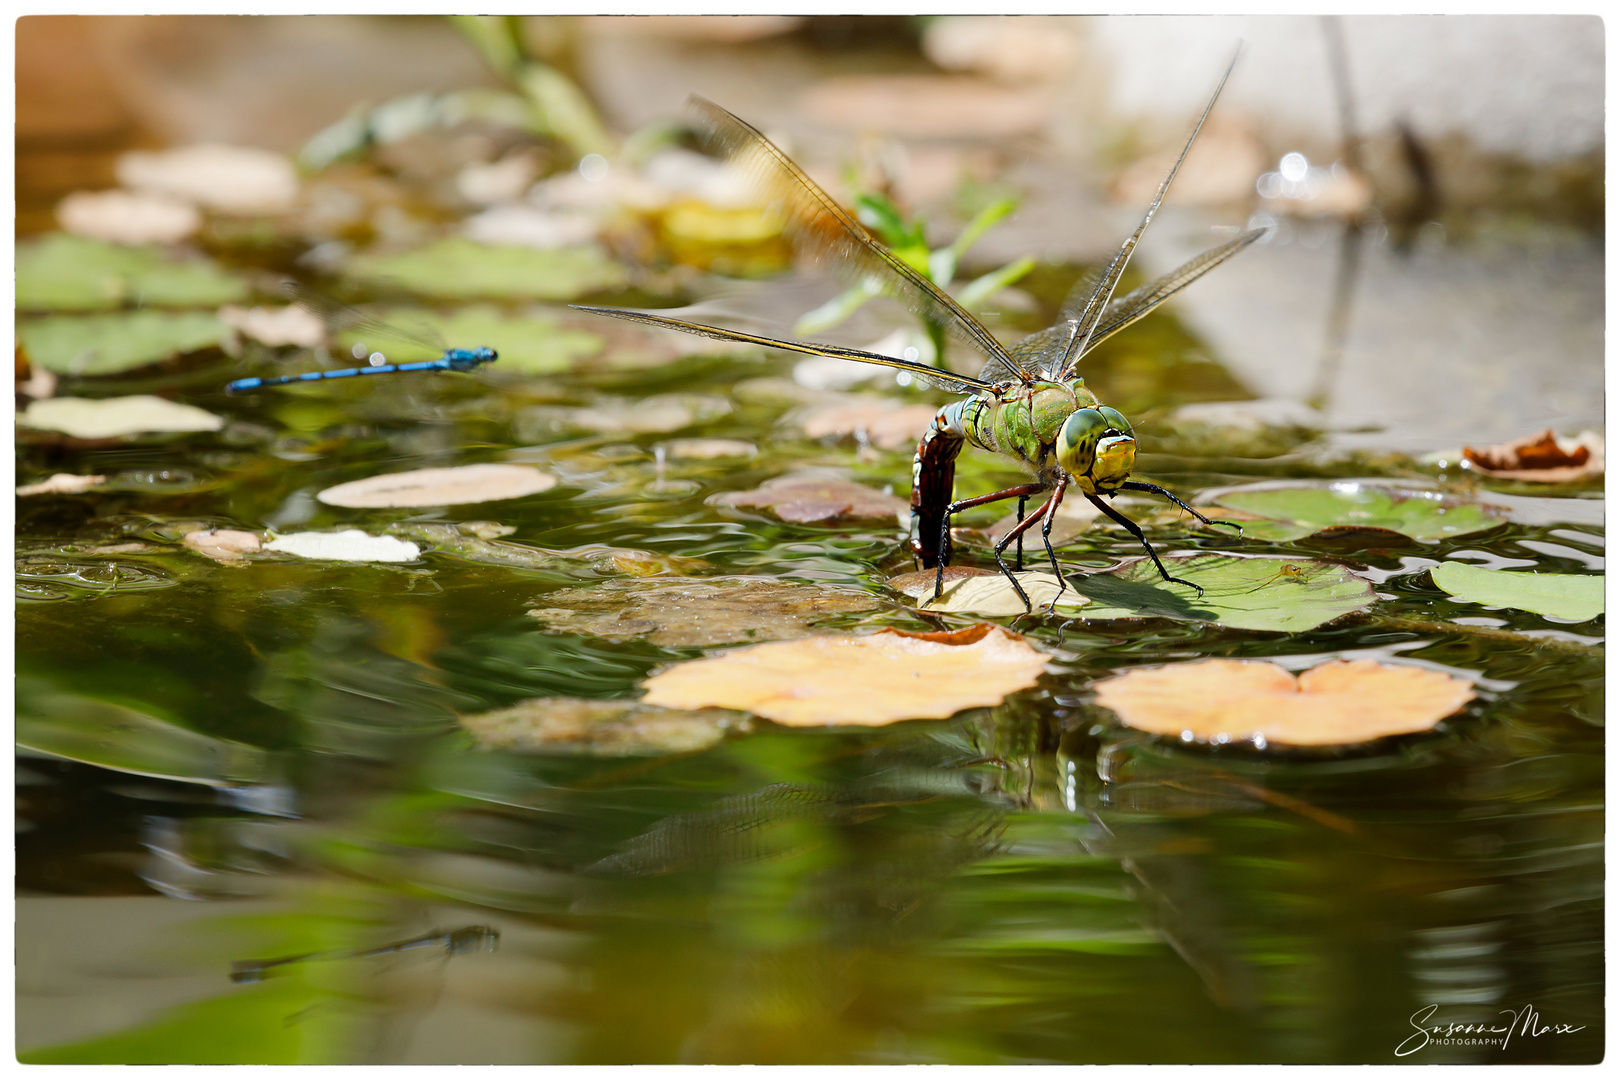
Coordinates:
336 313
451 942
1027 402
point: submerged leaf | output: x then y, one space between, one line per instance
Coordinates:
1339 702
822 500
1577 597
599 728
1349 505
350 545
441 487
460 269
686 612
109 344
1541 459
84 418
872 680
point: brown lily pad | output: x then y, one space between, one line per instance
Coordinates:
599 728
441 487
1340 702
1540 459
688 612
865 681
818 500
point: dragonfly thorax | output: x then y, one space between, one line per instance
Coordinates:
1025 422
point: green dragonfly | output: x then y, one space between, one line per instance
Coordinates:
1026 403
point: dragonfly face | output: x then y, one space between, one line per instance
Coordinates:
1098 449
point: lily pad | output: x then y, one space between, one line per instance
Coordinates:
886 423
819 500
123 217
290 325
1340 702
62 484
223 545
708 449
644 416
231 179
1248 593
460 269
60 272
350 545
119 737
528 346
599 728
112 343
441 487
866 681
1577 597
1349 505
687 612
477 541
84 418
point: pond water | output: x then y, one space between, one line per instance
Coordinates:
228 762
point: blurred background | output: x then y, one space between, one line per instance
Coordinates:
1464 153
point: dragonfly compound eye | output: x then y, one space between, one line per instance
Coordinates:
1097 445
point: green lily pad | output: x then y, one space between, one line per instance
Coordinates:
114 736
117 342
528 346
75 273
1349 506
1577 597
460 269
1286 595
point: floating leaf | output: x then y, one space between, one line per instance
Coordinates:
1540 459
688 612
993 595
529 346
441 487
476 541
460 269
106 418
350 545
232 179
1577 597
223 545
708 449
822 500
644 416
1252 701
109 344
123 217
60 272
1351 505
290 325
599 728
116 736
886 423
62 484
879 679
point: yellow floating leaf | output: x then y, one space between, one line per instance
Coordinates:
440 487
873 680
1339 702
105 418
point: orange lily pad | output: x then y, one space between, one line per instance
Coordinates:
867 681
819 500
1338 703
1543 459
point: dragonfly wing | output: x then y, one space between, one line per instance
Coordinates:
933 376
1097 303
824 231
341 317
1137 303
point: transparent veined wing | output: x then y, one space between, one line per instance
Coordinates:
933 376
1138 302
825 232
340 317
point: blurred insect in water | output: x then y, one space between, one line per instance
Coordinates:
1027 403
341 316
451 942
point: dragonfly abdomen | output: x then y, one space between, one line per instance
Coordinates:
933 479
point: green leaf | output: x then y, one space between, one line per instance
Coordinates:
882 217
1286 595
460 269
1348 505
837 309
530 346
980 224
1577 597
977 291
113 343
74 273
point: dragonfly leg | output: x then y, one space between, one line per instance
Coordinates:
1019 492
1016 532
1137 485
1022 499
1046 538
1136 530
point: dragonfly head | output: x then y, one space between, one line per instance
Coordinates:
1097 448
